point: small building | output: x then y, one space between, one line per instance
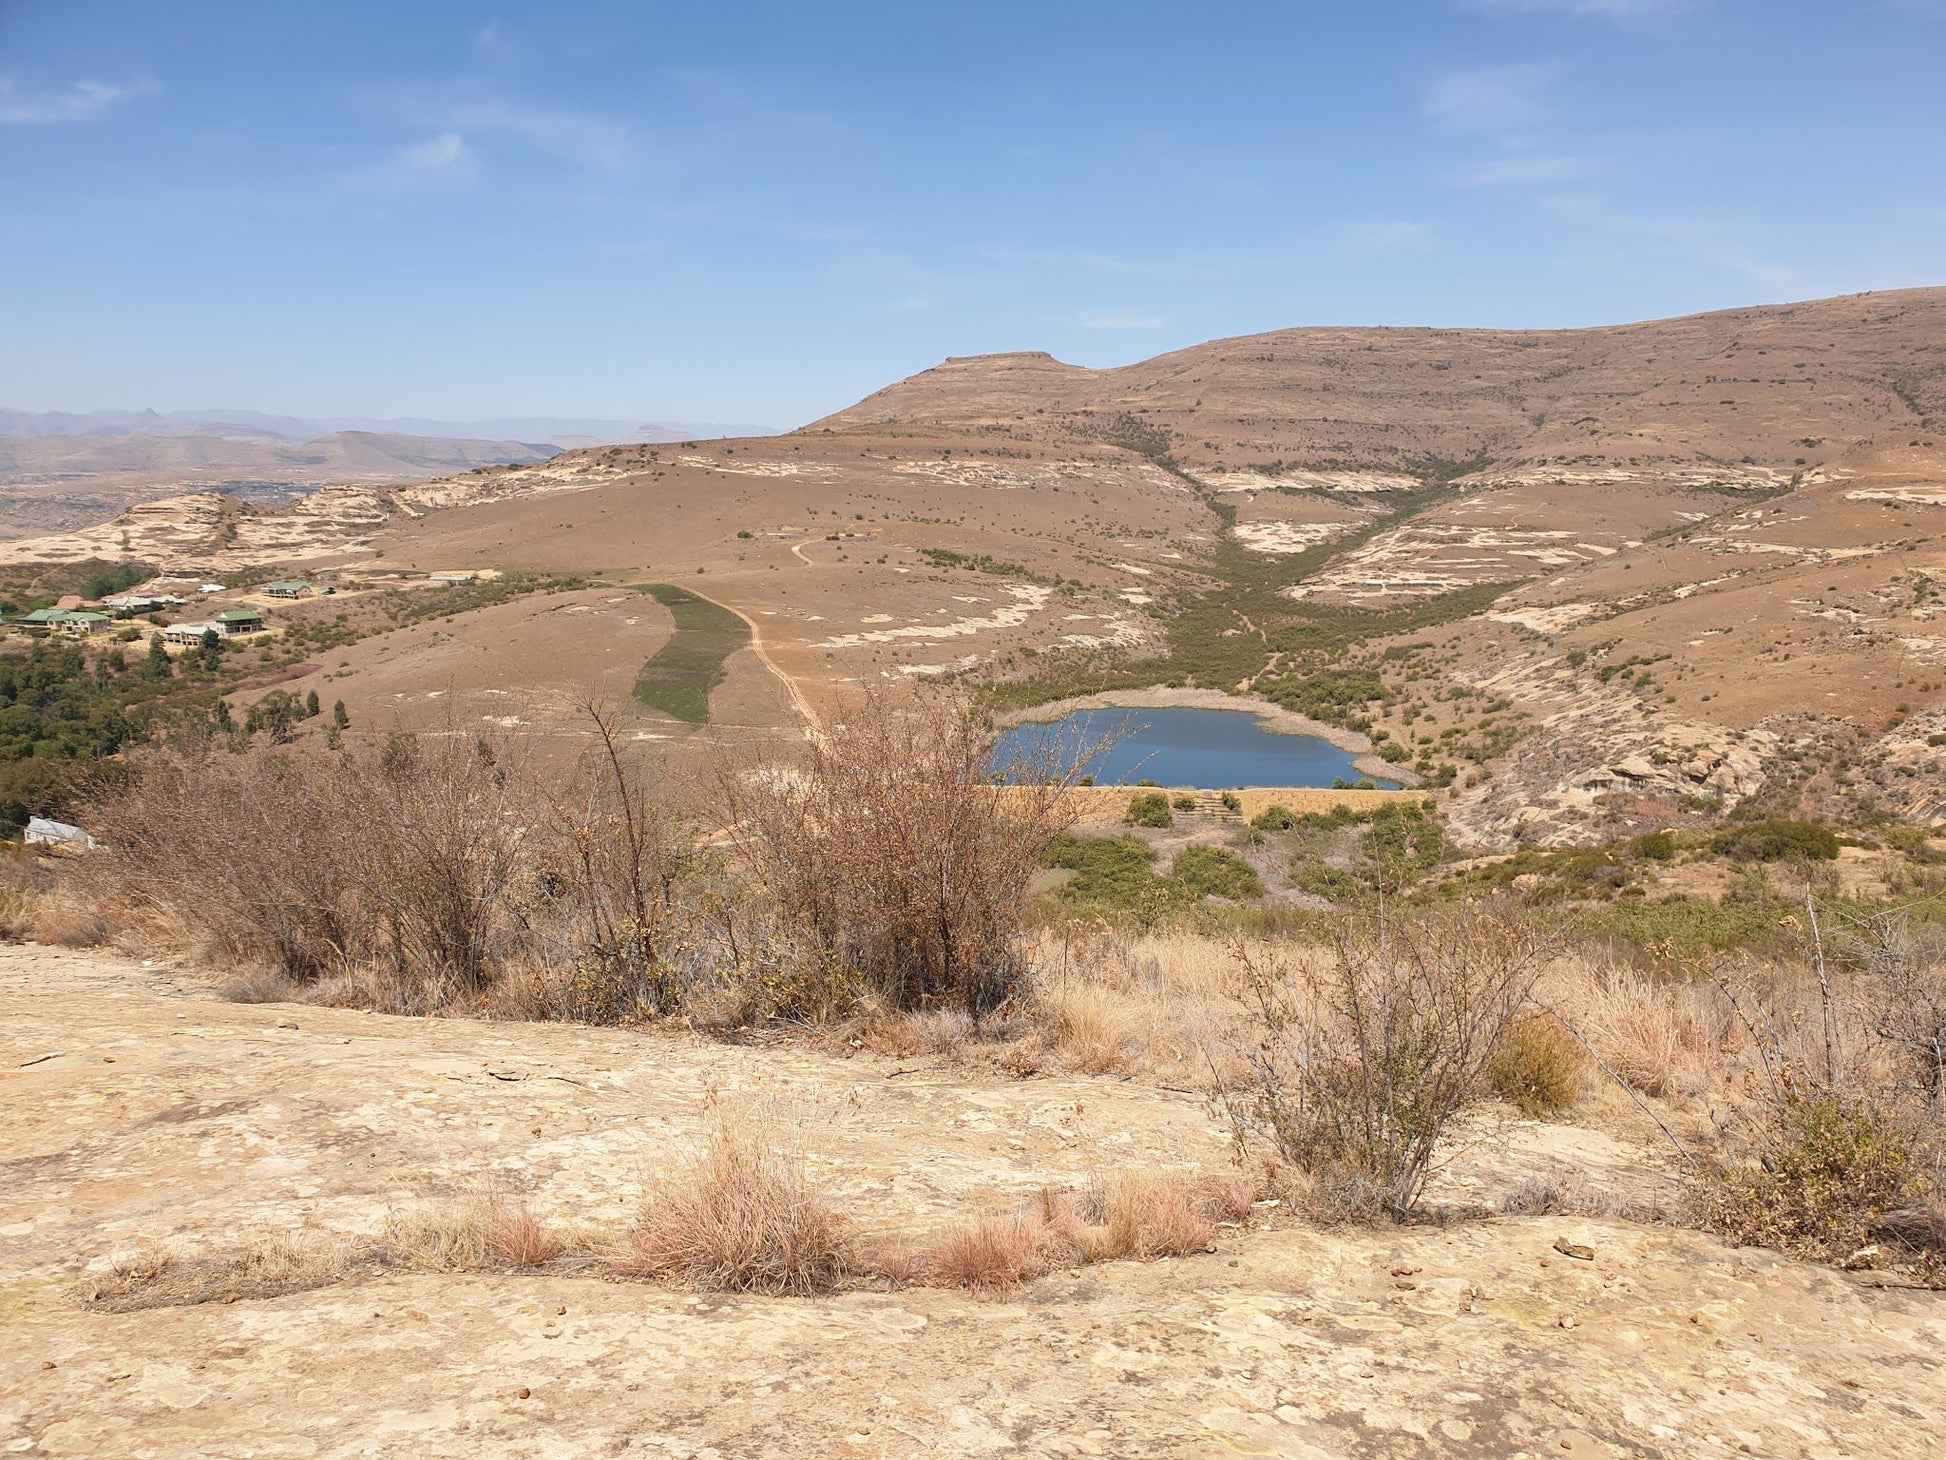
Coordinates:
68 601
139 605
234 621
188 635
83 622
456 577
289 588
213 588
41 620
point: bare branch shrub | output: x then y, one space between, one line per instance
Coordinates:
745 1216
253 852
1360 1062
437 835
1905 962
634 896
317 865
894 858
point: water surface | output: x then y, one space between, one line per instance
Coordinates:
1201 749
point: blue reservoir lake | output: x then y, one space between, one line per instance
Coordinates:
1209 750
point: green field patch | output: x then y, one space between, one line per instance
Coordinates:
678 679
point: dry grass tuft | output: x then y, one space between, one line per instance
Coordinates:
161 1277
485 1232
745 1217
994 1252
1134 1215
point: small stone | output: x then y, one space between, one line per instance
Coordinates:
561 1311
524 1393
1567 1320
47 1363
1578 1251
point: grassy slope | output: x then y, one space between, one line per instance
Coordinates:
678 679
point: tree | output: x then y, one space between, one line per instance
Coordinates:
159 666
339 719
311 705
209 650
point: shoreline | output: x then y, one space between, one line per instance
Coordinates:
1272 717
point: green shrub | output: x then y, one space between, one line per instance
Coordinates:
1109 871
1185 802
1203 871
1274 817
1777 840
1150 809
1824 1166
1656 846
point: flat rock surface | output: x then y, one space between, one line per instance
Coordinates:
136 1108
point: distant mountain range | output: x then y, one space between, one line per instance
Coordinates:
244 425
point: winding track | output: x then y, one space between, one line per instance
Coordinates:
797 697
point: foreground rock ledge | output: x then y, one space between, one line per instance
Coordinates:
135 1109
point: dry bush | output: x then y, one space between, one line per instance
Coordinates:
315 865
1362 1060
894 859
161 1277
486 1231
1820 1171
247 850
1831 1143
1537 1067
630 895
745 1217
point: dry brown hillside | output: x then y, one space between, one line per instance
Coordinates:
1776 386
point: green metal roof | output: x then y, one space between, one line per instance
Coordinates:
237 615
292 583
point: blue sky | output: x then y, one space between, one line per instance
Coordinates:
762 211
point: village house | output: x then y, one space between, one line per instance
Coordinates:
289 588
233 621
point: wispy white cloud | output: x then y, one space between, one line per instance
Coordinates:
1108 319
1617 10
571 134
1703 240
441 156
1518 171
1493 99
84 101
